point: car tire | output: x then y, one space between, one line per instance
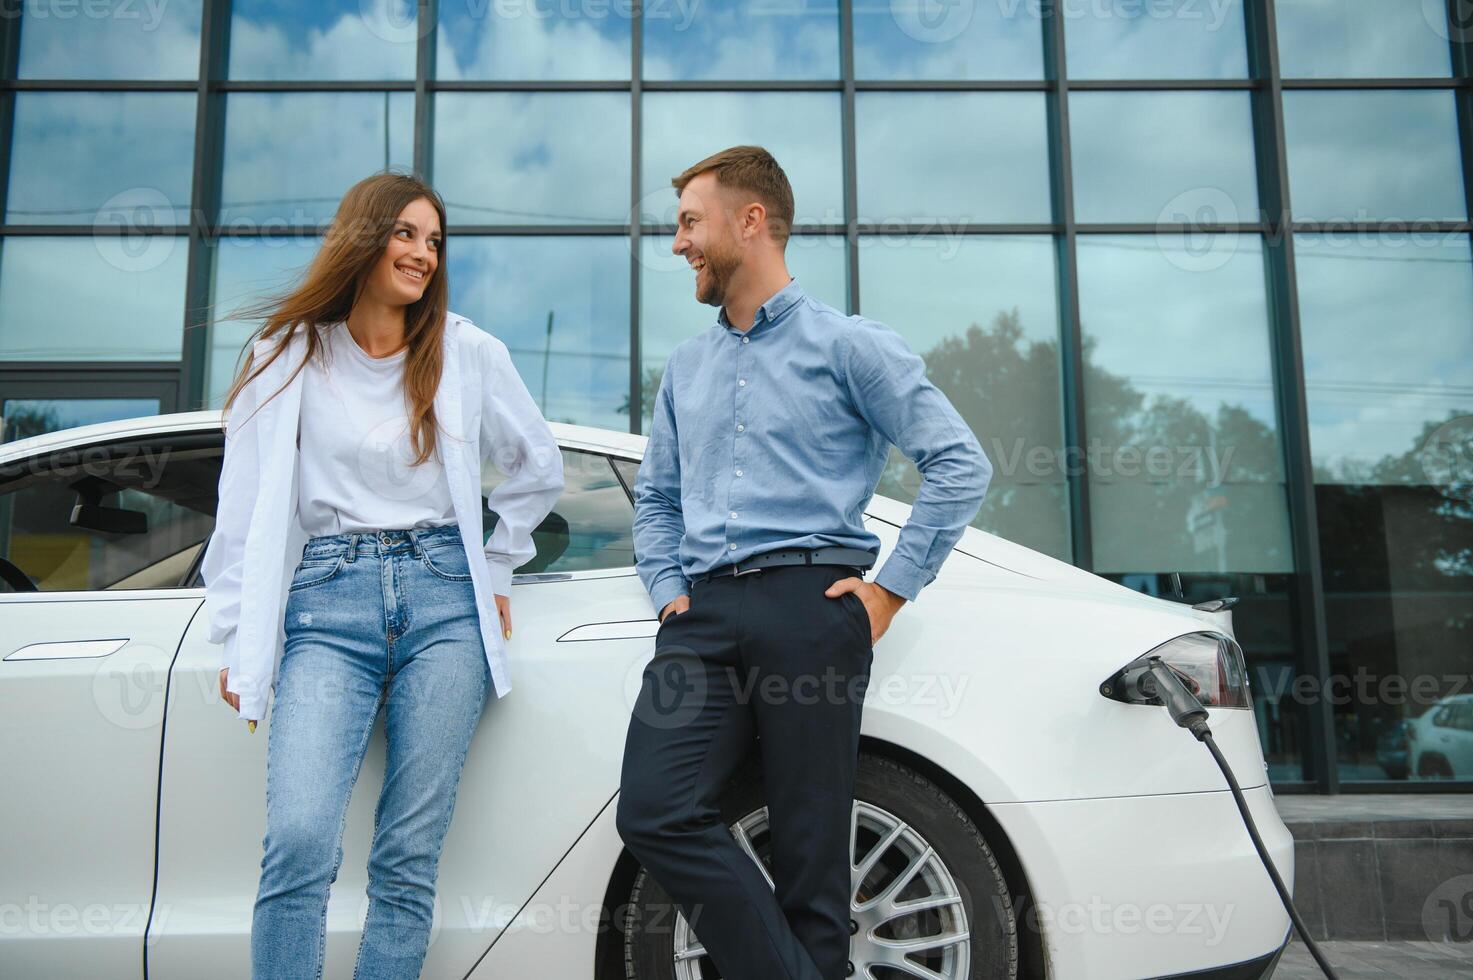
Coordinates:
1433 766
652 927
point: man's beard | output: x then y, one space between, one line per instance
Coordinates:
719 268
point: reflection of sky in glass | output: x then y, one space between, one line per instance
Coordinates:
76 151
1356 39
543 158
105 299
247 271
1192 480
800 129
487 39
1178 327
160 40
1387 329
1168 156
741 39
932 289
1357 156
287 40
1171 39
669 313
290 157
509 286
952 157
68 413
921 39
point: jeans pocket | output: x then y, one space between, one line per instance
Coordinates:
447 562
316 571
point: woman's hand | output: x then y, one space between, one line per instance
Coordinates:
503 607
231 699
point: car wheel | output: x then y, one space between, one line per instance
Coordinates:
912 842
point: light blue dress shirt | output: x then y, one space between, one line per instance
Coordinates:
776 437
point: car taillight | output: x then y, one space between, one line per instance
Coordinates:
1210 664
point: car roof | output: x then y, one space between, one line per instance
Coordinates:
587 438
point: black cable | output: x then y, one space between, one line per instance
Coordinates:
1204 735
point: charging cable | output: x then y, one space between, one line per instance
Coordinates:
1154 679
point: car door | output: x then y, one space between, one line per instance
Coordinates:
95 542
543 763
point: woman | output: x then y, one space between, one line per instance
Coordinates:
357 428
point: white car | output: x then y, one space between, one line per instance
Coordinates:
1440 740
1012 819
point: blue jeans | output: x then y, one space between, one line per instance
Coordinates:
384 619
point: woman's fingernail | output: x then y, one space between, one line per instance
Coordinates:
508 634
252 725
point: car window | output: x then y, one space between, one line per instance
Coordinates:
127 516
590 527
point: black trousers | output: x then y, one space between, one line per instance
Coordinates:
768 656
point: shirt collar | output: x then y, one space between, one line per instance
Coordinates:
769 312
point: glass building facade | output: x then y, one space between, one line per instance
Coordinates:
1197 274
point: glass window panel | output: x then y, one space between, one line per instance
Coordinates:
669 312
523 159
1159 39
1356 39
561 306
920 39
741 39
108 298
61 551
1185 468
326 39
1391 436
247 271
591 526
991 164
290 157
157 40
983 314
1163 156
533 39
87 158
21 418
801 129
1368 155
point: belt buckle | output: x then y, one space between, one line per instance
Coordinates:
738 571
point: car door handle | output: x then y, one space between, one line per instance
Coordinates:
634 629
68 650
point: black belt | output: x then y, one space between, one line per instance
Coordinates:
850 557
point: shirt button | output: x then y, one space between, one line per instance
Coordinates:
731 547
743 382
739 472
746 340
741 428
733 514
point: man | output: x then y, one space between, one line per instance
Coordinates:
770 432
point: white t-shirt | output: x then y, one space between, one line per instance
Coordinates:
353 434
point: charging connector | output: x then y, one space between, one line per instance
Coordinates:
1152 680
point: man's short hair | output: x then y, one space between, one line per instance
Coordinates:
753 170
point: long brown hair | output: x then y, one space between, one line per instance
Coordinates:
354 242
